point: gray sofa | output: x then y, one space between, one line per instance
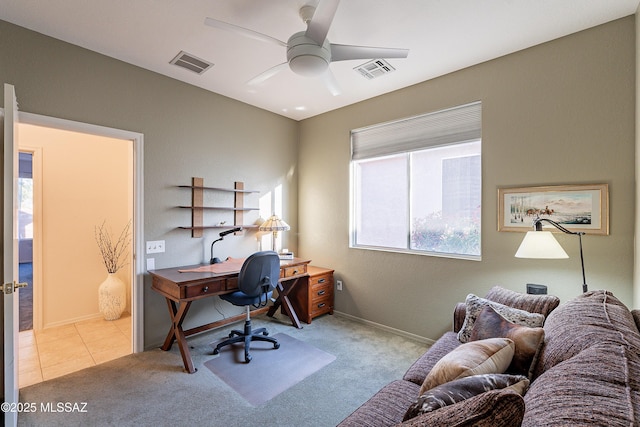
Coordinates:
586 372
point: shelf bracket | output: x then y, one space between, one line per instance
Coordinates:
197 201
238 203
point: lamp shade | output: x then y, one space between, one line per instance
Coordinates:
274 224
540 244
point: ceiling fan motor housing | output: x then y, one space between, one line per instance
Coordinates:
306 57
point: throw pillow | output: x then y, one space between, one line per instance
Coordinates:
491 356
475 305
543 304
464 388
495 408
528 341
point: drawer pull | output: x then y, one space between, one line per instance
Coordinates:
322 292
295 271
322 280
205 289
321 305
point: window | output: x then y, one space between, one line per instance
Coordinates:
416 184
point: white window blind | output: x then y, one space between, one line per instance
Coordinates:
450 126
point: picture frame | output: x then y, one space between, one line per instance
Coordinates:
580 207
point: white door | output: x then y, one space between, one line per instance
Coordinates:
10 262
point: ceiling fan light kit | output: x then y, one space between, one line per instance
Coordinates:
305 57
309 52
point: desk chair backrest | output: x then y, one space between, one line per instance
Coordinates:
259 273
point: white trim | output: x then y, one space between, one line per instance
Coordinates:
137 279
386 328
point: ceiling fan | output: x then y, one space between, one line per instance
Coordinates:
309 52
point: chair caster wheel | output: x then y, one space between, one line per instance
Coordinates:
265 333
216 351
247 359
276 346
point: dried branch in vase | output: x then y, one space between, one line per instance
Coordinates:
113 254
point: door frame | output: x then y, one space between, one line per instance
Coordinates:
138 270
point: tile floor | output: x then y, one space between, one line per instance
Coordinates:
58 351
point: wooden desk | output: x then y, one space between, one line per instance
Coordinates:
181 289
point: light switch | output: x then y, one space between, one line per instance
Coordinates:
155 246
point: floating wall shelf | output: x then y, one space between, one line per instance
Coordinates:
197 206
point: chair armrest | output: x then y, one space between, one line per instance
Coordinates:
459 313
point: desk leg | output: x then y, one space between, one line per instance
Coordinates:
176 333
284 301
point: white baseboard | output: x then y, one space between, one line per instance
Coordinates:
385 328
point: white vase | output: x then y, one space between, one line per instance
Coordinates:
112 297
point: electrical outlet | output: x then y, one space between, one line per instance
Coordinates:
155 246
339 285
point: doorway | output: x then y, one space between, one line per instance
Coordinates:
25 239
71 213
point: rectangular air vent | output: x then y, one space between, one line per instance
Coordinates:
191 62
375 68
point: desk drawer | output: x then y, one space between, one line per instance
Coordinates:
321 280
295 270
232 283
322 291
320 306
203 289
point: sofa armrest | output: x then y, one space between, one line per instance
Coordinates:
636 318
459 313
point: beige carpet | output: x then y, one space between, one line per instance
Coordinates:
152 389
271 371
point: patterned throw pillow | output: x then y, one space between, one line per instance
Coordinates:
495 408
491 356
464 388
528 341
475 304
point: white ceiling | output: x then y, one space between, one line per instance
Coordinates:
442 35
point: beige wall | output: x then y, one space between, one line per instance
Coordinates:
558 113
86 181
187 132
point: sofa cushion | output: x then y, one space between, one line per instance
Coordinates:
386 408
598 386
423 365
591 318
475 304
490 356
528 341
462 389
495 408
543 304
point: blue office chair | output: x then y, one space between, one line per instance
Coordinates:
258 277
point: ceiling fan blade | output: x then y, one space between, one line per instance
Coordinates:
343 52
320 23
243 31
267 74
331 83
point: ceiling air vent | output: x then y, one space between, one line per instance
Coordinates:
191 62
375 68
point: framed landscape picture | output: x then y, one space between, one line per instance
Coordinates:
576 207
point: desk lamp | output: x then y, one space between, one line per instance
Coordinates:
217 260
542 245
274 224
